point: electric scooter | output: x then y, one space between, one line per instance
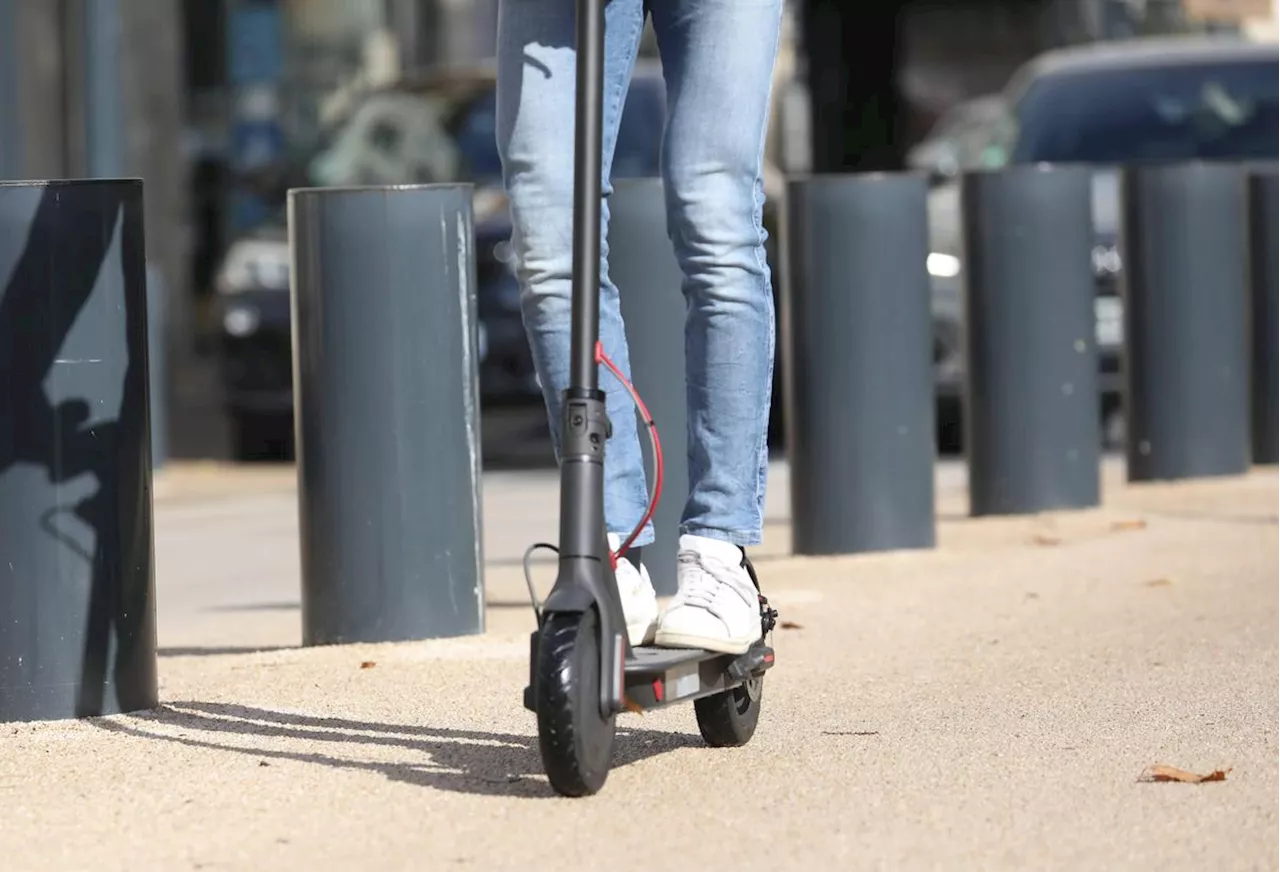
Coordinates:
583 670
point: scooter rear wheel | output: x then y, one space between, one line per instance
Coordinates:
728 719
576 742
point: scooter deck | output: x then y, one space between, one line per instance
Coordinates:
658 677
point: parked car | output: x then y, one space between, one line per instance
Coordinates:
1106 105
949 147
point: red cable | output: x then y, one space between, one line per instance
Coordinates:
601 357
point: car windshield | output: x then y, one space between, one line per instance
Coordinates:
1223 110
407 137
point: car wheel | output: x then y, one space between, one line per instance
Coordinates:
259 437
1113 430
950 426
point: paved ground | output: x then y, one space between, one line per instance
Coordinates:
989 704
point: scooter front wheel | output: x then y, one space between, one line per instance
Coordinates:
576 742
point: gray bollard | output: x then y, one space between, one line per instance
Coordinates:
77 620
387 413
643 266
11 114
858 364
1184 248
1032 416
1264 231
157 358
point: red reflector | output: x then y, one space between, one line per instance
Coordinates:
768 658
658 690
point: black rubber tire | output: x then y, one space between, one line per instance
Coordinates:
728 719
575 741
261 437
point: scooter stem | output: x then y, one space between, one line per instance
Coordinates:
588 139
586 579
585 423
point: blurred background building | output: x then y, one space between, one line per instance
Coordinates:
222 105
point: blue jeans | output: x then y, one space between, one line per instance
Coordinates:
717 60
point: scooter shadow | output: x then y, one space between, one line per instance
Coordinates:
463 761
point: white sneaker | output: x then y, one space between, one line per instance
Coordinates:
716 606
639 600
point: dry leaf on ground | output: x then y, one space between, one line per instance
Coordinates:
1041 539
1172 773
790 625
1121 526
368 664
631 705
1158 582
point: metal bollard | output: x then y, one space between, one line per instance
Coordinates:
1264 230
1032 416
387 413
1184 248
858 365
157 357
77 634
643 266
11 114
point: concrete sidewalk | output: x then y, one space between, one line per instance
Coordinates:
989 704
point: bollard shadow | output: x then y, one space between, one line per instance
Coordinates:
282 606
41 304
462 761
218 650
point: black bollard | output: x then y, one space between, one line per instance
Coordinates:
77 619
1032 411
643 266
387 413
858 364
1183 244
1264 230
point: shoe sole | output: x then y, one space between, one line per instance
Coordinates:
646 637
720 646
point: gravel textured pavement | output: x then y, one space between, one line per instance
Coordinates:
989 704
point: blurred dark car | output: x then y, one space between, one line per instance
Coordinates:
947 149
439 127
1144 100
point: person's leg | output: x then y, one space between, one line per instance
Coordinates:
718 58
536 75
536 100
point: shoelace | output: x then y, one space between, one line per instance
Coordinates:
704 588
